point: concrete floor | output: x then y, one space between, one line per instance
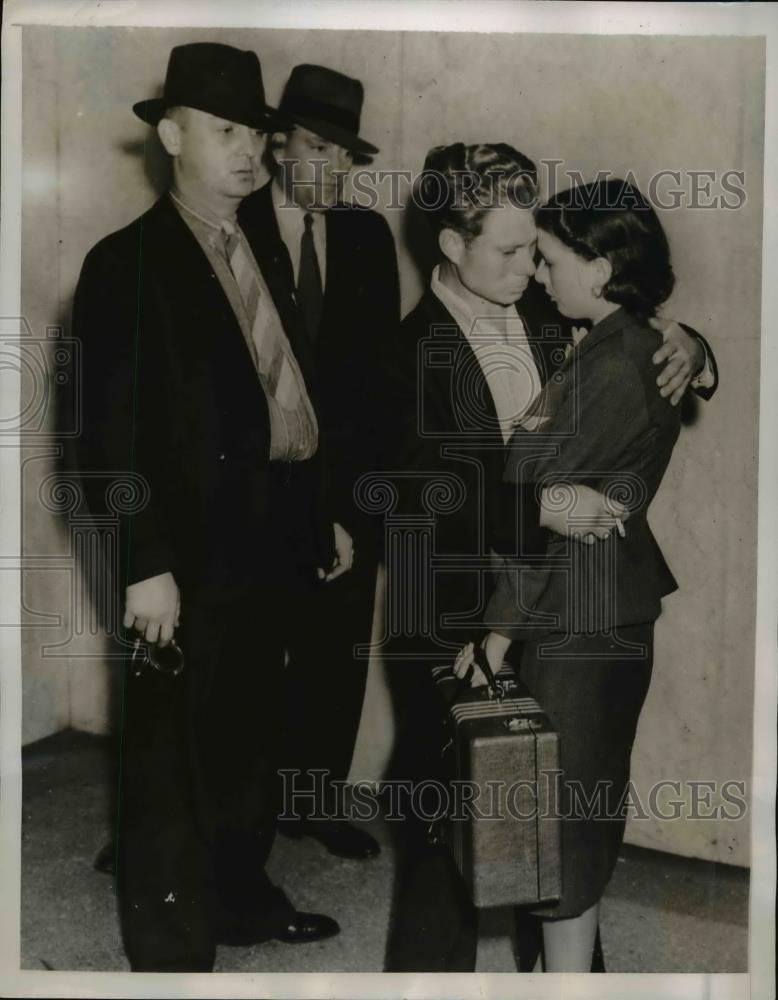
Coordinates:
660 914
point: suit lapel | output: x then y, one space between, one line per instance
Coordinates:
608 327
462 375
548 333
177 251
187 299
258 220
343 244
341 271
548 330
190 283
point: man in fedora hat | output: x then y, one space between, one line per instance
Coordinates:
194 383
339 263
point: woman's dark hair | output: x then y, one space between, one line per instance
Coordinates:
612 219
459 184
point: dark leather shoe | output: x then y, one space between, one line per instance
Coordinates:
300 929
340 838
105 862
598 959
527 940
305 927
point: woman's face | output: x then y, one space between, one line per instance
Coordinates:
568 278
498 263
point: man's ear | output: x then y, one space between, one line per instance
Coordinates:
345 159
451 245
276 146
169 133
601 271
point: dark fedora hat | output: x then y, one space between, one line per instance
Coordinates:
328 103
219 79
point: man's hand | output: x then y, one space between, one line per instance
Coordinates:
344 555
683 358
152 607
595 514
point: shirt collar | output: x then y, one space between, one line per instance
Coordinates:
203 214
463 312
289 215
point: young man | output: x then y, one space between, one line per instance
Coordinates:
194 385
340 267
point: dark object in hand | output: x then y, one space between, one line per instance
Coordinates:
167 659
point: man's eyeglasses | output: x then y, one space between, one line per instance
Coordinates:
167 659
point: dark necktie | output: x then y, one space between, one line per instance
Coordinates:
309 290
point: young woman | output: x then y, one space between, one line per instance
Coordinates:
604 260
470 359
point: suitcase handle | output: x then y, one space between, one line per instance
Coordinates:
495 686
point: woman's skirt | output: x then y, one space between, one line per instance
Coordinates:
592 687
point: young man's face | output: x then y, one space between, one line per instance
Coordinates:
215 158
312 169
498 263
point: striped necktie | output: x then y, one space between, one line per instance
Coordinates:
273 355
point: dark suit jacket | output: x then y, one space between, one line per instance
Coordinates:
171 394
607 426
443 405
446 427
360 318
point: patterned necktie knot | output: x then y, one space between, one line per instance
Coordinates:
231 238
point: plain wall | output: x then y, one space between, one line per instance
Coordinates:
618 103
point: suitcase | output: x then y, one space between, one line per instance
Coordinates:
502 748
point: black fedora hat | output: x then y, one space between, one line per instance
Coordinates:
219 79
328 103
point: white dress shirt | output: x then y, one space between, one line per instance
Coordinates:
501 346
291 223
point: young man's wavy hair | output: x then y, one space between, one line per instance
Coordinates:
460 184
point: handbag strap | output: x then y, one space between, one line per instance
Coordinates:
495 686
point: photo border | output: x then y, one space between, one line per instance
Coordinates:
401 15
